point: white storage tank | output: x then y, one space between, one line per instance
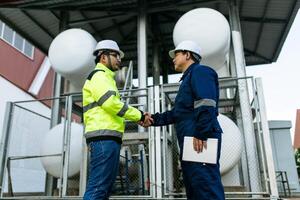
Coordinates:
52 144
232 143
210 29
71 55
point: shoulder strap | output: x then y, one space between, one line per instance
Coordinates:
94 72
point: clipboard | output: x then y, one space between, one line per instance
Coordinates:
208 155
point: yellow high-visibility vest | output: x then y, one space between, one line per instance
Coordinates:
103 112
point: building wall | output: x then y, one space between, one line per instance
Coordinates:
283 152
20 69
17 67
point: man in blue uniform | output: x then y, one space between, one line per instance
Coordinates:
195 114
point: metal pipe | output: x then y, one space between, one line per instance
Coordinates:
38 114
5 143
55 109
158 146
142 44
142 171
61 180
152 161
67 144
127 171
248 128
259 132
266 139
142 53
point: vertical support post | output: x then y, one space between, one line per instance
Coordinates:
249 136
158 145
62 158
244 175
142 44
267 140
66 146
5 143
141 160
126 171
58 89
144 167
142 52
152 161
83 168
156 71
165 162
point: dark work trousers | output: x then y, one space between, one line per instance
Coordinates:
203 181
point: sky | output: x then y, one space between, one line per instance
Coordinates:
281 80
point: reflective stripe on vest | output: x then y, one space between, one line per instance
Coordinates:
104 132
100 101
123 110
204 102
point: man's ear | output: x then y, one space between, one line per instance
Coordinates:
188 55
102 57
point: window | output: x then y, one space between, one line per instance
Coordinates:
1 28
8 34
28 49
18 42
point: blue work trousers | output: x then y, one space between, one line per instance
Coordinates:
203 181
103 168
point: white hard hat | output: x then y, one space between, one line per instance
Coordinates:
186 45
108 45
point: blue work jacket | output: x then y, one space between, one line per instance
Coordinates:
196 105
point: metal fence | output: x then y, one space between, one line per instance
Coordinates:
149 160
241 184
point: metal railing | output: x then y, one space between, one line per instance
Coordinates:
152 174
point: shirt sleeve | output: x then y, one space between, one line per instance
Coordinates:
106 96
162 119
205 91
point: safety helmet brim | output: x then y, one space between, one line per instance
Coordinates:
186 45
172 53
95 53
107 45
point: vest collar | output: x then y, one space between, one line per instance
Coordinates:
106 69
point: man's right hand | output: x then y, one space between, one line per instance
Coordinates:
148 120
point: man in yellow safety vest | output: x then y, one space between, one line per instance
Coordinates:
104 117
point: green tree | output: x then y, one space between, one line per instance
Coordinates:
297 158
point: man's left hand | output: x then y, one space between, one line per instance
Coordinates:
199 145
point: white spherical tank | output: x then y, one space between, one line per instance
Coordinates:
232 141
223 71
52 144
71 55
210 30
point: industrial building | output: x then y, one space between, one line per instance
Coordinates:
43 154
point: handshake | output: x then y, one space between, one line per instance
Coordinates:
148 120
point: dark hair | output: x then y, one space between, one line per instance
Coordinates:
98 55
195 57
97 59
